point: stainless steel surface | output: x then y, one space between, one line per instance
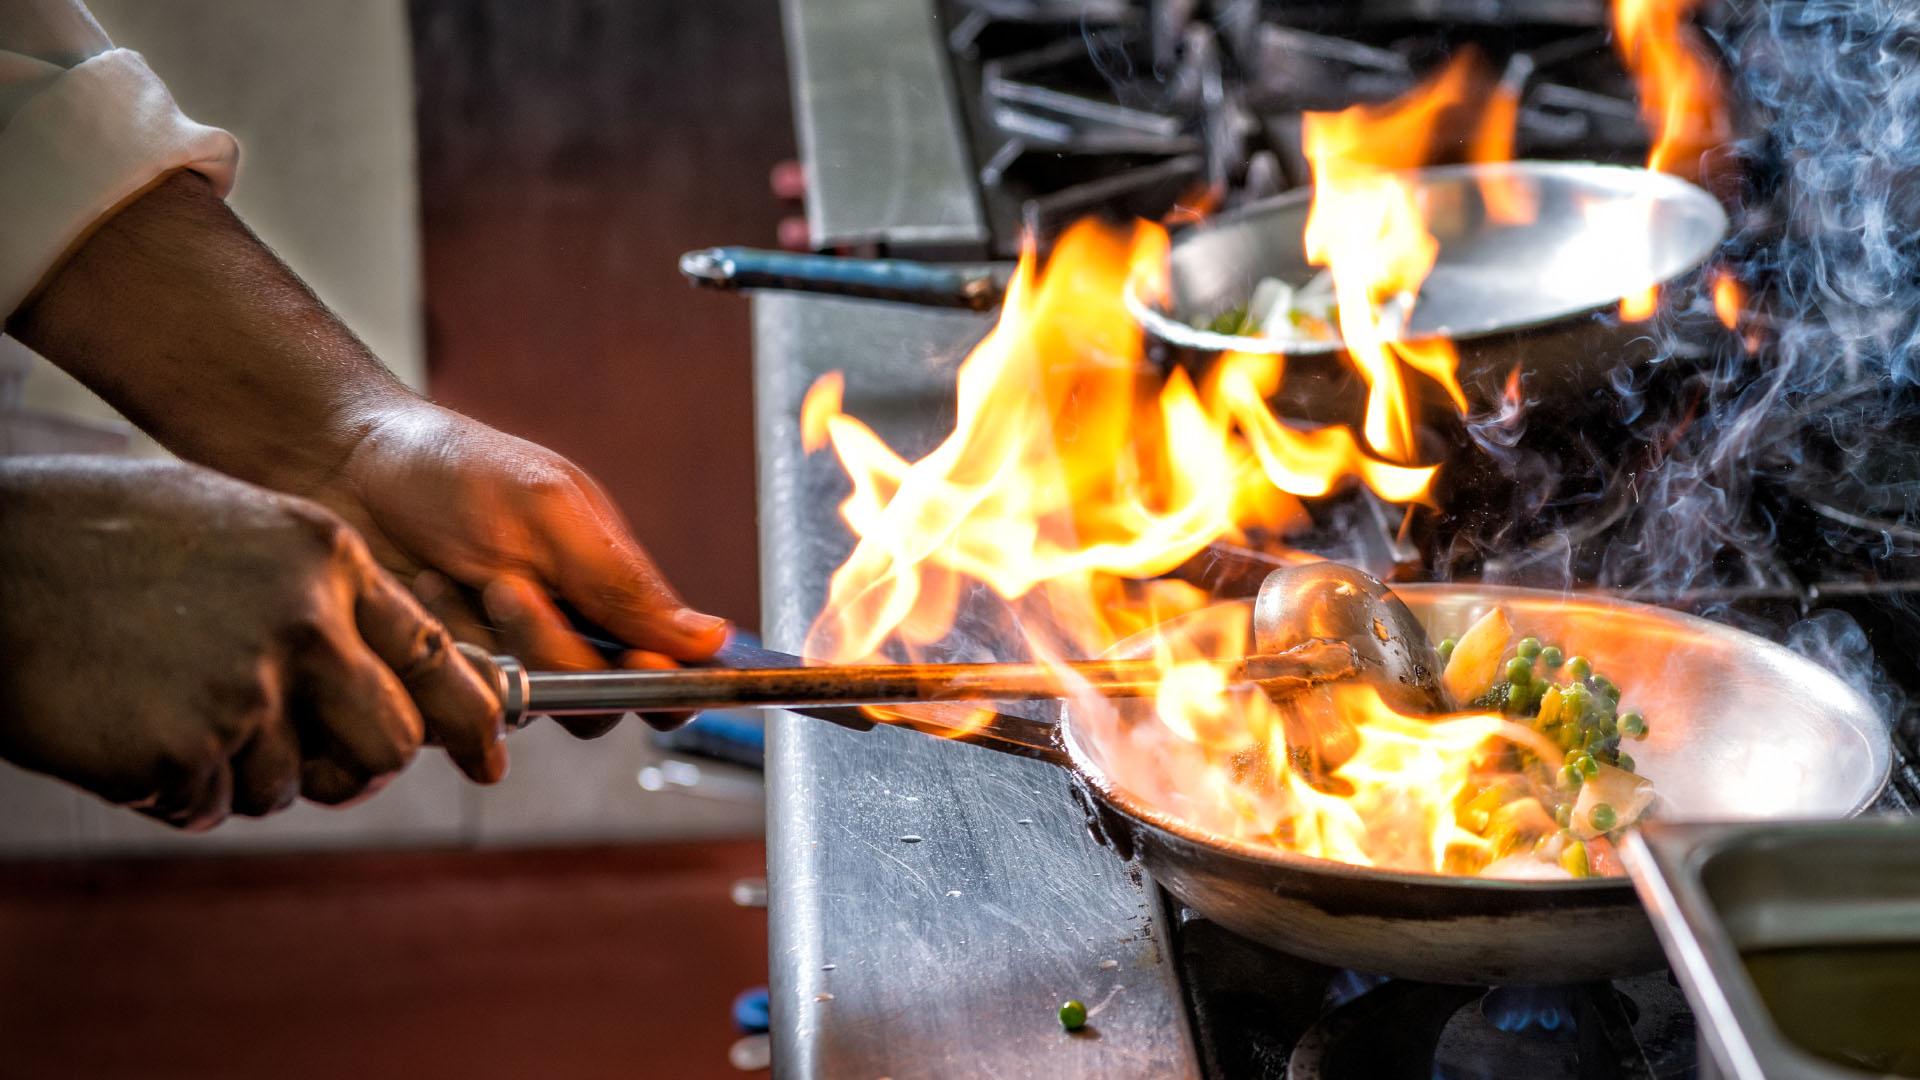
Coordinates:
1326 601
1741 728
930 904
1715 889
1600 232
880 134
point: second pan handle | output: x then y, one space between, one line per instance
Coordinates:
977 287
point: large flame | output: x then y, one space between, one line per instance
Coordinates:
1679 85
1079 476
1680 99
1072 465
1368 227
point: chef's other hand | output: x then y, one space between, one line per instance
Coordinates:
497 534
191 645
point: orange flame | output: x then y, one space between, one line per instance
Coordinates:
1679 86
1367 227
1728 299
1078 475
1071 461
1338 775
1639 306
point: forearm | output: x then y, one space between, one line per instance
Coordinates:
180 318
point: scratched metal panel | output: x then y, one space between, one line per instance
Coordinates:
880 128
946 956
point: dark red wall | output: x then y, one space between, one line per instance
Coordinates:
570 151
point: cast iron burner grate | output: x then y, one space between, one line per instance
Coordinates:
1129 107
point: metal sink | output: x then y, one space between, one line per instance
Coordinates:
1716 891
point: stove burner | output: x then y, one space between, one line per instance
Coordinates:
1637 1028
1519 1010
1130 106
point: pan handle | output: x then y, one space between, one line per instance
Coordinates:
975 287
1008 733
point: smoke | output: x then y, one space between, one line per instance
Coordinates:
1825 220
1836 642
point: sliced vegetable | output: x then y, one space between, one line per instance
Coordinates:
1574 860
1525 866
1626 794
1475 662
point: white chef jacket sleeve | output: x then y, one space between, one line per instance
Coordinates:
83 128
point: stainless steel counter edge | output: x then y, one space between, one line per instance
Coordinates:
931 904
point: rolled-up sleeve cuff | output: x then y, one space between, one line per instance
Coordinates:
97 135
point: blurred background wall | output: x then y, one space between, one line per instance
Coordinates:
494 195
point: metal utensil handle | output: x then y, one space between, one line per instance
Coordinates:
932 284
573 693
919 696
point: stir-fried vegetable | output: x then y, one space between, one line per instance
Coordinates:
1551 816
1278 311
1475 660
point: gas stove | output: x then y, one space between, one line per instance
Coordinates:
903 872
1128 108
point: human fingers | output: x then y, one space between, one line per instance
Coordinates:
535 631
599 568
458 711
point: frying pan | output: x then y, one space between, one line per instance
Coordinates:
1542 295
1742 729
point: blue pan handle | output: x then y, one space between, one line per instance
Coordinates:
977 287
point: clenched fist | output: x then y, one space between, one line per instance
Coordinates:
190 645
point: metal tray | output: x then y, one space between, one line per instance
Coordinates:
1714 890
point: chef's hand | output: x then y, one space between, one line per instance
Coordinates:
176 314
190 645
465 513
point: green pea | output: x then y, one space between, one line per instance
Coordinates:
1519 671
1551 656
1446 649
1625 761
1571 777
1602 817
1528 648
1589 767
1573 703
1073 1016
1578 667
1633 725
1563 815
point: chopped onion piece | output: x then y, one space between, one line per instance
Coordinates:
1526 866
1475 662
1270 308
1629 794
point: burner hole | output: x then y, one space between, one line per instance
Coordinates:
1542 1011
